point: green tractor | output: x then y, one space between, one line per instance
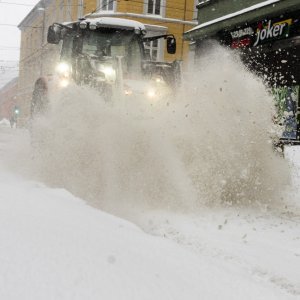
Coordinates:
108 54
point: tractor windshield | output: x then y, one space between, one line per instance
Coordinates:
107 42
112 43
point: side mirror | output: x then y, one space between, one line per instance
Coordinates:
171 45
54 34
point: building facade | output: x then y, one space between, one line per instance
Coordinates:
267 34
37 58
159 16
8 99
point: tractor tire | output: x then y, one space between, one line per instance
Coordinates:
39 102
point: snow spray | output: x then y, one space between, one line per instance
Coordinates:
210 145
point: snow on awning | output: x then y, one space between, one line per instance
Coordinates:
232 15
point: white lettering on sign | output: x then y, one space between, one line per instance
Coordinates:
241 32
271 31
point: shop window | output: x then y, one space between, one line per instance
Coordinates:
287 100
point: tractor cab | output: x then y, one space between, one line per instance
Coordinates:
108 55
105 52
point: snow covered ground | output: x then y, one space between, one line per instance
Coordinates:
54 246
210 210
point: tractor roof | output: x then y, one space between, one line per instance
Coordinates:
114 23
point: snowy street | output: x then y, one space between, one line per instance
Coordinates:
54 246
150 150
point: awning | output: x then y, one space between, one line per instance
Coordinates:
249 14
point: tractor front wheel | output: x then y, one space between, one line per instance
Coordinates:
39 100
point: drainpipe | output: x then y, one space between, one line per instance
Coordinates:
43 9
183 29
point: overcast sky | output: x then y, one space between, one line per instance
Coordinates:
11 14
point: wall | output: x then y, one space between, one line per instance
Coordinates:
176 9
8 99
37 58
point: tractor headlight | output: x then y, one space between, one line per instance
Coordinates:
109 72
93 26
64 82
83 25
127 92
158 79
63 69
151 93
156 88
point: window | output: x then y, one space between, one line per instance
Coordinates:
69 11
67 47
155 49
151 50
80 11
27 47
106 5
61 11
154 7
195 10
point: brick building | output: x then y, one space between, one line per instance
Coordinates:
8 98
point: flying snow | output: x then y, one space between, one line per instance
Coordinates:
209 145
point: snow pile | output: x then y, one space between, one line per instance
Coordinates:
292 154
53 246
4 123
140 160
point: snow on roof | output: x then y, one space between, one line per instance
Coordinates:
232 15
115 22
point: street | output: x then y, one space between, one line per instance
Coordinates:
54 244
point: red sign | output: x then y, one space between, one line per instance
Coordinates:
242 43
